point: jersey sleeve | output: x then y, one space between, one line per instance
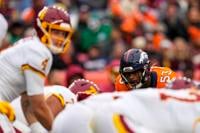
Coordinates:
35 69
164 75
67 95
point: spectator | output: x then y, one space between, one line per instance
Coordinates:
175 26
16 32
95 60
181 61
74 72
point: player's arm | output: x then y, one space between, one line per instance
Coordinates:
27 110
35 71
35 92
56 103
35 108
41 110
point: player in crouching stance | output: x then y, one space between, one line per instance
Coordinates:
146 111
83 89
136 72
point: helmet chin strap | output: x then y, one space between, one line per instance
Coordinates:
55 49
139 85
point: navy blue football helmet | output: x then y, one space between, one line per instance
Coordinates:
135 68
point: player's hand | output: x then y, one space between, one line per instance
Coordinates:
7 109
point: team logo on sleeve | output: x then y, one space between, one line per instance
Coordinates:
44 64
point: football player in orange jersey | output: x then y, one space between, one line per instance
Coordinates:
136 72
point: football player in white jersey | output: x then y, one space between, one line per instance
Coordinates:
84 90
146 111
25 65
57 98
5 108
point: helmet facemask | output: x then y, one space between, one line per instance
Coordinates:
135 78
47 38
54 29
132 78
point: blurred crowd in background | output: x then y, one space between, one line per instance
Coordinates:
168 30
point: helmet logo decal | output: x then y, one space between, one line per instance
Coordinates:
143 56
91 90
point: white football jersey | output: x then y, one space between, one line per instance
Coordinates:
146 111
82 113
23 68
69 97
96 101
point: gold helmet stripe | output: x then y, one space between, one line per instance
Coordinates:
42 13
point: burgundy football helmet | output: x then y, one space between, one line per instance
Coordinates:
83 88
54 18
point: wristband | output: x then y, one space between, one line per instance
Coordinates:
36 127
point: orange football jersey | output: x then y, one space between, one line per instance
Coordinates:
159 77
